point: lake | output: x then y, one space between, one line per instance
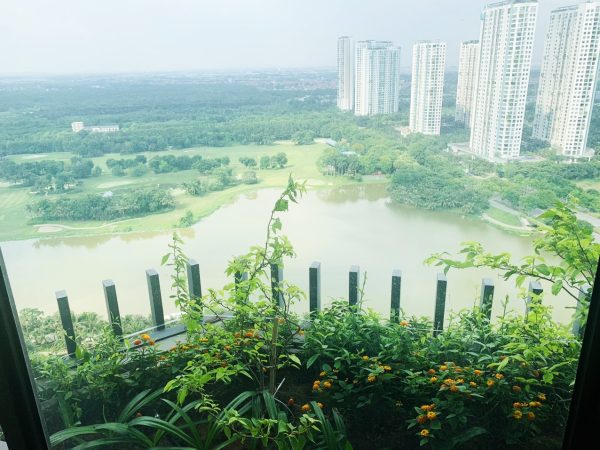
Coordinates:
340 227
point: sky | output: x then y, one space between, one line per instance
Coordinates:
115 36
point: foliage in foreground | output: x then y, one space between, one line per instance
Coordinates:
264 378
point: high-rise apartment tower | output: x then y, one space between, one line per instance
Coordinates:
506 40
568 78
345 62
427 87
467 74
376 79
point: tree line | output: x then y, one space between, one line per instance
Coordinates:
120 205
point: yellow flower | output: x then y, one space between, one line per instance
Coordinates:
460 380
426 408
228 347
327 385
145 337
449 381
477 372
431 415
458 369
387 368
473 384
531 416
151 342
365 358
320 405
516 405
317 382
371 378
453 388
516 388
305 407
533 404
204 340
490 383
424 432
517 414
433 379
499 376
443 367
421 419
542 396
404 323
431 371
322 374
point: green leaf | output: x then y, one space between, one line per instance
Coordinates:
557 286
294 359
164 259
281 205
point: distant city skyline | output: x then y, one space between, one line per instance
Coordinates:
115 36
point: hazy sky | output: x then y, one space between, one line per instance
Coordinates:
89 36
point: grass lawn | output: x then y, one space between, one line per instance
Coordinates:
589 184
301 164
504 217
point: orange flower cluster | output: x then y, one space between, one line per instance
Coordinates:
144 338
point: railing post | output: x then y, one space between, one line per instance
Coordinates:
577 329
314 287
276 279
395 300
67 322
156 304
112 306
535 288
193 278
487 297
440 304
353 285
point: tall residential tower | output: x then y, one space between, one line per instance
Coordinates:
467 74
345 62
506 40
377 81
568 78
427 87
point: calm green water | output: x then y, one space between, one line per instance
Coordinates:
338 227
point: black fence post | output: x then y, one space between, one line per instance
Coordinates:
395 300
112 306
353 285
67 322
314 289
276 280
577 329
193 279
487 297
20 417
156 304
440 304
535 289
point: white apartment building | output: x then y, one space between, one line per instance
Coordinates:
467 74
376 79
506 40
427 87
568 78
345 62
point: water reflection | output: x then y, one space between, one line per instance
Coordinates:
338 227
